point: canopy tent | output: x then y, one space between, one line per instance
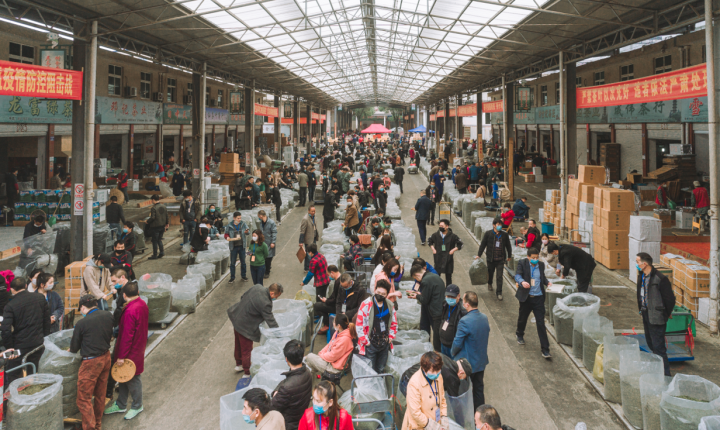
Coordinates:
420 129
375 129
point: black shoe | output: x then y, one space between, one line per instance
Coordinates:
267 275
423 244
245 279
162 254
154 257
520 340
231 280
546 354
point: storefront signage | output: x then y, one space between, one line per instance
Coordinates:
262 110
34 110
468 110
690 82
53 58
236 119
216 116
37 81
174 113
441 113
432 117
524 99
496 106
452 112
268 128
237 103
112 110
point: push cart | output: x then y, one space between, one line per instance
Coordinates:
384 406
679 336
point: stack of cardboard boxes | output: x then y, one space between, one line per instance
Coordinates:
690 281
581 201
230 163
645 235
611 218
73 283
551 209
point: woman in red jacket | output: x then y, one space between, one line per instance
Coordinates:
326 414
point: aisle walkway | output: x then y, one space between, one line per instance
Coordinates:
193 367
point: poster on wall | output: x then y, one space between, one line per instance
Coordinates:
112 110
237 103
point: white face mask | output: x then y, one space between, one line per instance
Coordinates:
34 281
49 286
545 242
254 238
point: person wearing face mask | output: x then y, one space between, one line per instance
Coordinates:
121 259
376 326
190 213
130 345
326 413
215 218
452 311
32 285
292 395
324 306
38 226
429 290
471 343
128 237
257 410
332 358
258 251
254 308
656 302
96 279
531 280
572 257
329 206
201 235
91 337
45 284
444 244
381 199
487 418
661 197
26 321
432 194
392 273
426 403
354 254
352 222
453 372
550 259
499 250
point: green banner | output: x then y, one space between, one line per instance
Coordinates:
597 115
694 110
174 113
216 116
32 110
112 110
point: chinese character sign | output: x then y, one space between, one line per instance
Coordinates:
432 117
467 110
679 84
53 58
262 110
523 98
237 103
112 110
441 113
37 81
174 113
34 110
496 106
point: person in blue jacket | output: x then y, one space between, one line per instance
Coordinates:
427 265
471 343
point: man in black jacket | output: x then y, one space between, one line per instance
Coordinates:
381 199
38 226
114 215
91 337
572 257
274 195
498 247
431 296
531 280
422 209
656 302
452 311
293 395
399 174
326 305
26 321
445 244
330 205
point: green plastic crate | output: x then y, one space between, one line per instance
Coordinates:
680 321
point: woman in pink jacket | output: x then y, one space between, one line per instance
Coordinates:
332 358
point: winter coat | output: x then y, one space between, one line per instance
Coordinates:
26 321
471 340
158 216
133 334
254 308
461 181
338 350
329 206
421 402
572 257
660 297
57 309
422 208
96 281
293 395
308 421
365 318
351 216
444 262
269 229
201 233
308 230
488 243
452 315
186 216
272 421
432 294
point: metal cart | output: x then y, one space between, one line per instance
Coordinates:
385 406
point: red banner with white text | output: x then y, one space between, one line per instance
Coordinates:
441 114
679 84
489 107
26 80
262 110
467 110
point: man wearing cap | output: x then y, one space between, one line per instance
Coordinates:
700 200
130 346
91 336
471 342
453 310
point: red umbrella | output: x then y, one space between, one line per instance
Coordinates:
375 129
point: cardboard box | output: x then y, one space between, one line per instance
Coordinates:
528 165
598 197
530 178
634 178
697 281
618 200
573 187
551 170
665 270
591 174
614 220
679 294
573 205
615 259
229 167
587 193
597 252
230 157
611 239
665 218
692 304
575 236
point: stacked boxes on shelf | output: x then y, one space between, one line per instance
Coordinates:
551 208
230 163
581 202
645 236
73 283
691 281
611 219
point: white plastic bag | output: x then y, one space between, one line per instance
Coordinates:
42 410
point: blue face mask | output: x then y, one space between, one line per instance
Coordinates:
125 230
451 302
638 267
498 228
432 376
248 420
118 286
318 409
393 273
212 210
533 262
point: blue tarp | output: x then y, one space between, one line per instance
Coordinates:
420 129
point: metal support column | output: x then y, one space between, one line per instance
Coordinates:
713 83
90 141
508 143
277 123
250 128
296 122
563 146
308 129
198 135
